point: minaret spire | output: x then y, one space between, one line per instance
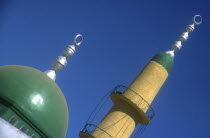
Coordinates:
61 61
177 45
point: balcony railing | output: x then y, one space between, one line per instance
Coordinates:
94 131
136 99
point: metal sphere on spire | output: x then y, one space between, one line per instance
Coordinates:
59 63
190 28
183 37
69 51
177 45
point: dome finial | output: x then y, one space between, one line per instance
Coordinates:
61 61
177 45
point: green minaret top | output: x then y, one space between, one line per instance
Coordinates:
166 59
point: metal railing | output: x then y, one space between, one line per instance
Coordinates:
91 128
137 99
103 106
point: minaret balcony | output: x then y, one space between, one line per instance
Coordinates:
122 94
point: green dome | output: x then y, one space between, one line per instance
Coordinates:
166 59
37 99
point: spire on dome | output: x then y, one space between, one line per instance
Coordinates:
60 62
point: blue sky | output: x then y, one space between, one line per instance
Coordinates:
120 37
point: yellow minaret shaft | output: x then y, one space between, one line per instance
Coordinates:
149 81
131 106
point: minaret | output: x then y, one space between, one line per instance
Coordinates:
132 106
